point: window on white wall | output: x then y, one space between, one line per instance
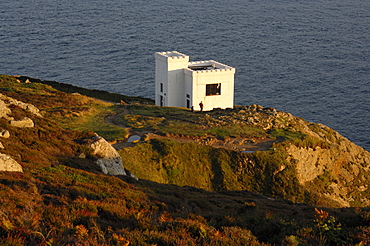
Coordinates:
213 89
161 87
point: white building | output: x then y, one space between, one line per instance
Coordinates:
180 83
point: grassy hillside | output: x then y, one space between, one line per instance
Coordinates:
214 169
62 198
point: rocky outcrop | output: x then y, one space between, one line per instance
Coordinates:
4 110
108 160
342 168
23 123
326 163
253 115
9 164
6 101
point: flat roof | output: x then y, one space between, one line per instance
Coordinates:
207 65
203 67
172 54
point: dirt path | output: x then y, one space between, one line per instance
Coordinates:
113 119
237 144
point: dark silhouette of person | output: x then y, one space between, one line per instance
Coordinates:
201 106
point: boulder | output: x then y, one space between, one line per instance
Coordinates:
25 122
109 159
4 110
4 134
9 164
1 146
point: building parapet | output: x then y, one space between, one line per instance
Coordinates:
228 70
209 62
172 55
209 66
215 71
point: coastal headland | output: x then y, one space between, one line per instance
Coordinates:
250 175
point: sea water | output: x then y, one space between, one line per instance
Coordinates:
309 58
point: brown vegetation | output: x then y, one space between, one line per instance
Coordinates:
63 199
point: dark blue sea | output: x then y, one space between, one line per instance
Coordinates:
309 58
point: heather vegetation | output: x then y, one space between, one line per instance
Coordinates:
187 194
72 111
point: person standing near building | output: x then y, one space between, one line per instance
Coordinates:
201 106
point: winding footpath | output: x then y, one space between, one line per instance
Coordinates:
238 144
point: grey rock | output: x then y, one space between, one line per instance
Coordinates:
109 159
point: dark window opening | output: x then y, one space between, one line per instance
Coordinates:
213 89
161 87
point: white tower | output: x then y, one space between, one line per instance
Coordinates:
169 77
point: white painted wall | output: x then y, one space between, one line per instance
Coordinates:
200 79
169 71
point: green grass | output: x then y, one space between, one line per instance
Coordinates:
299 139
190 164
169 162
176 127
94 120
234 130
167 112
286 134
10 84
140 122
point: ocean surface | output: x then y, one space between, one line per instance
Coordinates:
309 58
